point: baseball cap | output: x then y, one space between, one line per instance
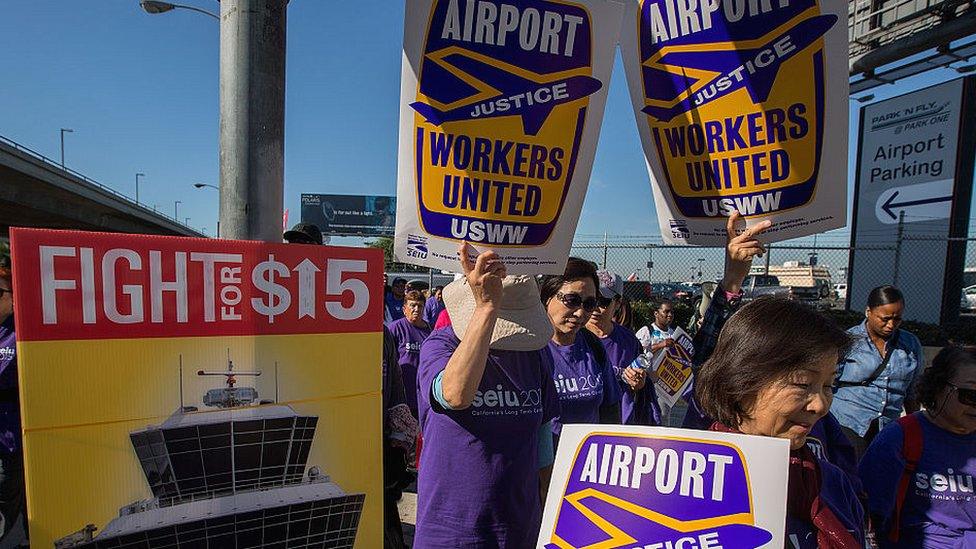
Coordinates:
611 285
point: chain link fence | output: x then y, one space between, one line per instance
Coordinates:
654 268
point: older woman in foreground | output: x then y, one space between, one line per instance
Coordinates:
771 374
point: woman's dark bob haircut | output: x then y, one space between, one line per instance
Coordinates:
944 366
576 269
884 295
764 341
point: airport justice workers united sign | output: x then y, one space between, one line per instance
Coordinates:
500 109
617 486
741 104
197 392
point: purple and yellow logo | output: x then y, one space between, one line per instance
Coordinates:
499 115
734 99
655 492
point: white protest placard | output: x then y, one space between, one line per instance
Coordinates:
741 106
640 487
500 109
672 366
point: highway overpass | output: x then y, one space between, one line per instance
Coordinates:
36 191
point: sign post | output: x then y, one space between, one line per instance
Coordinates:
912 195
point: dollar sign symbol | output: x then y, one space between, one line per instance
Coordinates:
278 298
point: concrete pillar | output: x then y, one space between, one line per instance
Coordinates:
252 118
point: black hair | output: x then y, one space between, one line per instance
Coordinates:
884 295
765 340
576 269
945 364
658 303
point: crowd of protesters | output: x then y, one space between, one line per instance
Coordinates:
505 361
480 376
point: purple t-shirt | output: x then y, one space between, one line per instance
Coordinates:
639 408
409 338
432 309
940 505
478 484
582 383
9 402
838 494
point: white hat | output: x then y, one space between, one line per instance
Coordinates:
522 324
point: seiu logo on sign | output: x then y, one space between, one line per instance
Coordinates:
648 492
734 97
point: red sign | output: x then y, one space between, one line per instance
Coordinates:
80 285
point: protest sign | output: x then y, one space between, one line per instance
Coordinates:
195 392
672 365
658 488
500 110
741 106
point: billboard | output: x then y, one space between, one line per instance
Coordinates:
914 179
655 487
350 215
198 392
741 108
500 110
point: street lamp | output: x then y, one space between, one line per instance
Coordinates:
64 131
176 210
154 7
138 175
216 188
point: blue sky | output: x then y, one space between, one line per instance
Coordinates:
140 93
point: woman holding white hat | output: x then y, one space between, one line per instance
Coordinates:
485 394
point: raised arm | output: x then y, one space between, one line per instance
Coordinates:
464 369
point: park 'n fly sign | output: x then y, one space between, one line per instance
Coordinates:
501 105
741 105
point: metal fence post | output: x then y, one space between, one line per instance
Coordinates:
898 243
605 250
769 252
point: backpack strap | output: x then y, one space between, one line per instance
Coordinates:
866 382
911 451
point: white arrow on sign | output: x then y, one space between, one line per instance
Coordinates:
922 202
306 288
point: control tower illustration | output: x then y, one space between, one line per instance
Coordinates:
233 475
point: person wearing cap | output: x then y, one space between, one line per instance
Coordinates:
585 381
639 403
485 395
410 332
394 298
303 233
13 503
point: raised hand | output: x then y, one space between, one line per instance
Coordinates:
484 277
740 249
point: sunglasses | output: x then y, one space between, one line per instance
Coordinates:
575 301
965 396
605 302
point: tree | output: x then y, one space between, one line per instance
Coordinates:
384 243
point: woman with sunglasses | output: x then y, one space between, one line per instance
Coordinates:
587 388
934 504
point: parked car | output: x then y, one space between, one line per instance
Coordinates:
968 301
761 285
841 290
